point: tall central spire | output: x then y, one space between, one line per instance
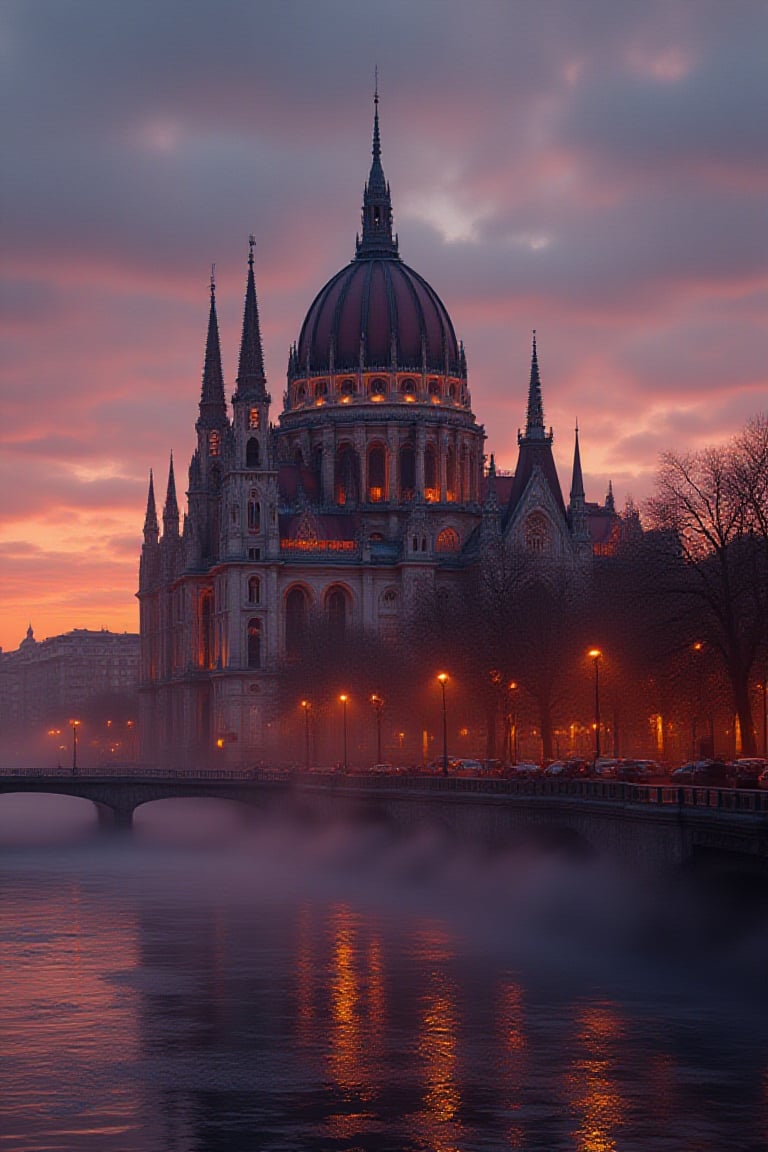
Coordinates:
534 422
377 239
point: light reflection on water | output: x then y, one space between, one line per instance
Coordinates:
286 989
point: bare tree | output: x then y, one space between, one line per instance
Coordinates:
708 512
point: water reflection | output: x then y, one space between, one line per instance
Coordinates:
166 1000
591 1088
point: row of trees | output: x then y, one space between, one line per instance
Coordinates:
679 612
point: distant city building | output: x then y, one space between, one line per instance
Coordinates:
57 677
373 484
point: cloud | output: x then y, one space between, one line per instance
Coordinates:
596 171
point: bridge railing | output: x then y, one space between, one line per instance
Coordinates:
596 791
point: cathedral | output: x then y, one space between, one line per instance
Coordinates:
372 483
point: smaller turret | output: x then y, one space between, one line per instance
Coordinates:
577 508
171 508
151 527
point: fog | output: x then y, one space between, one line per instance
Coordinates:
565 919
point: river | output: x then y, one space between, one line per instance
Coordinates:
210 984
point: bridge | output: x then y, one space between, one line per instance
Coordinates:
646 825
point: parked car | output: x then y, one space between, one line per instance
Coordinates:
567 769
702 773
636 771
605 767
524 770
746 773
763 779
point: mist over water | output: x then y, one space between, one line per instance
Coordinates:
222 979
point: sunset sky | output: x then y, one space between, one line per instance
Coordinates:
595 170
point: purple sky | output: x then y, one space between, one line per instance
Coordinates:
598 171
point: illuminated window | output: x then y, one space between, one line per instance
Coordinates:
450 474
378 388
214 443
431 490
253 418
254 590
447 541
321 388
347 477
407 470
408 388
434 389
537 538
336 609
252 453
254 644
377 473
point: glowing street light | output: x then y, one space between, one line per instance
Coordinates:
307 706
344 699
595 653
512 721
442 677
75 725
378 705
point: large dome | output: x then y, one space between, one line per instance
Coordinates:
375 313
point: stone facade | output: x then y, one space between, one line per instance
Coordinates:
372 482
55 678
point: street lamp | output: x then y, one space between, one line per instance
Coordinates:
595 653
75 725
442 677
512 722
378 704
344 699
307 706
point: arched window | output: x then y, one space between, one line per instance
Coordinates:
407 472
301 394
254 590
336 609
389 601
536 532
450 473
347 388
447 541
206 630
377 473
254 513
434 389
296 620
252 453
254 644
298 455
321 388
253 419
408 388
378 387
431 487
214 443
347 478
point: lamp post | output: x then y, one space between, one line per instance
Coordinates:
765 712
378 704
344 699
75 725
595 653
442 677
307 706
512 721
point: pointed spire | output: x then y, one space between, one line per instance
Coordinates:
213 406
151 529
610 503
491 496
171 509
377 239
577 483
251 381
534 424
